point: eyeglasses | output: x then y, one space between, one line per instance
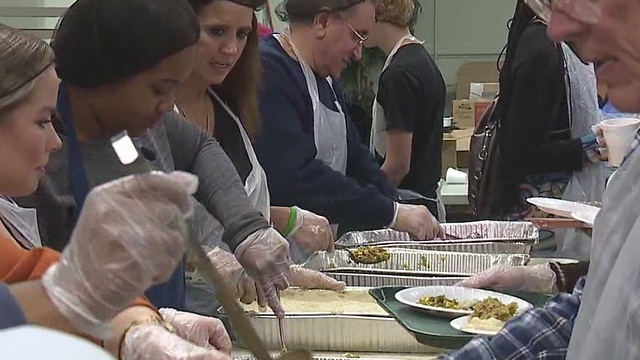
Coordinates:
586 11
361 39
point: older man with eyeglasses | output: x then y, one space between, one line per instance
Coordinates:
308 146
601 319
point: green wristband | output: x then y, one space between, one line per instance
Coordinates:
291 223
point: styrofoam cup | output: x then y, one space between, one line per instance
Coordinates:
456 176
619 133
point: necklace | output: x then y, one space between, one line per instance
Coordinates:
206 125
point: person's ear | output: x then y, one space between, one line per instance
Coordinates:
380 9
321 23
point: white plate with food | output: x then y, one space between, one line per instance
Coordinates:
587 216
451 301
477 326
558 207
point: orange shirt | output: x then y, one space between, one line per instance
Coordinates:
18 264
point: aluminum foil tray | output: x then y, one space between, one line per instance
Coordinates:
376 280
353 357
337 332
470 232
407 262
472 247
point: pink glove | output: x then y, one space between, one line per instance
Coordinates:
206 332
538 278
154 342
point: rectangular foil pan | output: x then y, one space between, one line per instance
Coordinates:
415 262
503 247
357 357
377 280
337 332
469 232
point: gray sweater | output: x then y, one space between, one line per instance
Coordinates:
173 144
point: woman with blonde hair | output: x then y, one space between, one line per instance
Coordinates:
86 291
221 96
406 134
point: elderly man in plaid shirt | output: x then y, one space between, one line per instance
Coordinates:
601 319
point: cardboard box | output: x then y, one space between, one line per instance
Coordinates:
467 113
483 91
449 154
455 149
475 72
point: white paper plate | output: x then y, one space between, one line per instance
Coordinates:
462 323
559 207
411 296
587 216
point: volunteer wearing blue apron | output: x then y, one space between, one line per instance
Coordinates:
406 133
307 145
110 85
227 90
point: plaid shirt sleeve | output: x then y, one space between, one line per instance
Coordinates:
536 334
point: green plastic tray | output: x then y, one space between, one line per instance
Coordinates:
431 330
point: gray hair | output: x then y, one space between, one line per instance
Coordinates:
23 57
305 10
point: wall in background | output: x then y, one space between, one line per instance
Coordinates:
454 31
457 31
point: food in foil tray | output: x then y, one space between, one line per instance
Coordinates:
351 302
370 255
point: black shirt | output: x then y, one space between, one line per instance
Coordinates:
412 93
227 133
535 123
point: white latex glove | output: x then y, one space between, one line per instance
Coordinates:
129 236
206 332
153 342
538 278
312 232
266 258
231 270
312 279
248 292
417 221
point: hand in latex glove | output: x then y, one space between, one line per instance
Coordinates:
202 331
538 278
312 232
311 279
265 256
231 270
246 289
417 221
153 342
129 236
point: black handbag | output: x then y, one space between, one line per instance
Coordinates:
484 174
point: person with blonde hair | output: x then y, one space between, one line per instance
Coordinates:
406 133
